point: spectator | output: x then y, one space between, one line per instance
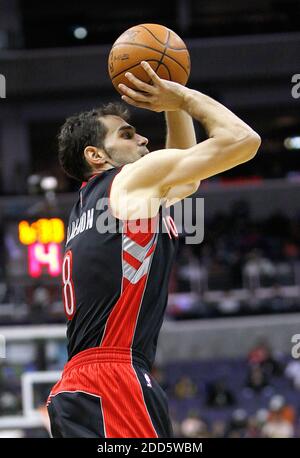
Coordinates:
277 427
257 379
292 372
261 418
192 276
253 429
193 426
228 305
262 355
237 424
279 409
256 269
218 429
219 395
185 388
279 421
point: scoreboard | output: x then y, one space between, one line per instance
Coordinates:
34 248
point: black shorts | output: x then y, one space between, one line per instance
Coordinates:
106 393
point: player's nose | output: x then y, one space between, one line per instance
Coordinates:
142 141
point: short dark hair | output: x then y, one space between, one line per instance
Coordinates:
81 130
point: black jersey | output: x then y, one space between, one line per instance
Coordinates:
115 279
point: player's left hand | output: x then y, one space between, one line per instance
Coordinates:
161 95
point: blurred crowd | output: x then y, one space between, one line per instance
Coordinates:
238 251
258 397
255 265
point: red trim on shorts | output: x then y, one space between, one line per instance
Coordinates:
108 373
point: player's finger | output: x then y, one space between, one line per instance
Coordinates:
154 77
140 84
135 95
133 102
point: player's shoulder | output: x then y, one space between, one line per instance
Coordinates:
129 198
138 177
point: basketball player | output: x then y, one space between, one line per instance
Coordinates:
115 283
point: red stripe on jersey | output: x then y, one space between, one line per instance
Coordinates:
131 260
121 323
151 250
140 231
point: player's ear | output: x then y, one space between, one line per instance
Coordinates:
94 156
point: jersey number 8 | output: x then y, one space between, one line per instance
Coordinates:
68 286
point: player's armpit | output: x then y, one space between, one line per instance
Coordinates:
179 192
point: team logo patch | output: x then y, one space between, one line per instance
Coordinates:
148 380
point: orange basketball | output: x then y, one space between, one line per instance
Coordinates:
162 48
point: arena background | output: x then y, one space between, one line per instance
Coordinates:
228 353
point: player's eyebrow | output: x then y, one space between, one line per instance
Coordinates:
127 127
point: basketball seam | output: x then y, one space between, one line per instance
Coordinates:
163 55
152 49
132 66
177 49
167 68
178 63
161 42
146 46
151 33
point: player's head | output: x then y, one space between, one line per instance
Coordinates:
98 140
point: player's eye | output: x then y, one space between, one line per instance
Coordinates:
127 135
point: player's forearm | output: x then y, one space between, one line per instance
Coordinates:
180 130
218 121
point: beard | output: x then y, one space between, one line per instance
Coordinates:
111 155
118 160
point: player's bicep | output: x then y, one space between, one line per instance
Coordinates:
209 158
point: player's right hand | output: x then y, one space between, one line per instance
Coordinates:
160 95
